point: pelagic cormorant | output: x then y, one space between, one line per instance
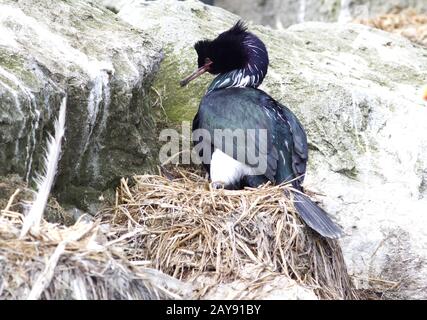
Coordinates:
233 103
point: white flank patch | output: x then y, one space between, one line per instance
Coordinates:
226 170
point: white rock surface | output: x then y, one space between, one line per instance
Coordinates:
283 13
255 284
367 127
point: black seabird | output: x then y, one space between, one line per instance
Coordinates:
233 102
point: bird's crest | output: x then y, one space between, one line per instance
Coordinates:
239 28
227 51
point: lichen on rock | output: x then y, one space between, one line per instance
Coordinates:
76 48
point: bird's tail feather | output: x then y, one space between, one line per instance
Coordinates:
315 217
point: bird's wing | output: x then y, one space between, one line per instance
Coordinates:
235 111
299 145
289 139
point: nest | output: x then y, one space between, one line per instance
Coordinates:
84 261
191 232
407 23
172 236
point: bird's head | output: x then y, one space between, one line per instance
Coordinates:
225 53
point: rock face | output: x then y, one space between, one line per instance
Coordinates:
357 92
369 147
283 13
281 287
176 25
49 49
355 89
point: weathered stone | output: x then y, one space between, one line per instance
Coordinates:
357 92
283 13
49 49
272 287
113 5
176 25
355 89
365 118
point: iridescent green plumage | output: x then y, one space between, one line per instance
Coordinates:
249 108
234 104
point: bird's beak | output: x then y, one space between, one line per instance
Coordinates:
196 73
425 94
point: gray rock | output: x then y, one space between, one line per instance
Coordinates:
49 49
272 287
176 25
358 93
113 5
283 13
364 115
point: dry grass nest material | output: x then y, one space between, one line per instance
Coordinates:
188 230
84 261
172 236
407 23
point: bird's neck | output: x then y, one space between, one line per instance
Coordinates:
252 74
